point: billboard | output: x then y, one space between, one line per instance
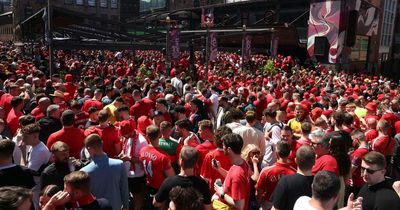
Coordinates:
148 5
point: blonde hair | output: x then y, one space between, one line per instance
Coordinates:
248 149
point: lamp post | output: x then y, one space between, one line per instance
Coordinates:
207 51
243 45
50 36
167 46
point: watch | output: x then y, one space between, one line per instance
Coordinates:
222 195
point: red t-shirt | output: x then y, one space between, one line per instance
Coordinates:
141 108
293 150
326 163
12 121
74 137
70 88
270 177
237 183
110 137
260 106
356 158
203 149
371 135
383 144
155 162
208 172
5 102
81 119
91 102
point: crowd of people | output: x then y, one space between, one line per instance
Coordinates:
117 130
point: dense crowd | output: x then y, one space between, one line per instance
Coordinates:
117 130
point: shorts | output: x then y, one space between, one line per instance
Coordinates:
137 184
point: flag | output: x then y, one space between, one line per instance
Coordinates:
174 43
247 48
213 46
46 25
207 17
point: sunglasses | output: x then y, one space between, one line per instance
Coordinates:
314 144
370 171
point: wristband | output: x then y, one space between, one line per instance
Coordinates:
222 195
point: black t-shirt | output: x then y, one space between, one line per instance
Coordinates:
289 189
380 196
190 181
98 204
16 176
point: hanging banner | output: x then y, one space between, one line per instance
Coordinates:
213 46
274 46
247 48
174 43
207 17
46 25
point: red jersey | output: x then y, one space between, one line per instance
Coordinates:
237 183
12 121
74 137
293 150
141 107
371 135
155 162
356 158
5 102
110 137
270 177
81 119
92 102
384 145
209 173
203 149
260 106
70 88
326 163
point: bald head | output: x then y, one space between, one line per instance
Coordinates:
371 123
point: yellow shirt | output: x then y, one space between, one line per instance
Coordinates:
295 125
111 109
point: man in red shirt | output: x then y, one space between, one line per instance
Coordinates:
383 143
5 100
236 188
95 101
261 103
211 171
17 104
73 137
206 133
156 163
371 133
142 106
359 142
187 137
81 117
325 161
270 176
108 133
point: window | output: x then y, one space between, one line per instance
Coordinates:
114 4
92 3
79 2
360 50
68 1
103 3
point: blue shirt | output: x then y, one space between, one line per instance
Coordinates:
108 179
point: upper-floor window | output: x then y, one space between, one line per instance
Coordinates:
103 3
114 4
92 3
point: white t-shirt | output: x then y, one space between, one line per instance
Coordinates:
140 143
38 156
303 203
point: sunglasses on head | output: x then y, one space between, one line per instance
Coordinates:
370 171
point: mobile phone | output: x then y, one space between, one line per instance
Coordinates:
214 162
218 182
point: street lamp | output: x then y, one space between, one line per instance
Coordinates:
207 24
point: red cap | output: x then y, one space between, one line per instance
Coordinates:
371 106
125 128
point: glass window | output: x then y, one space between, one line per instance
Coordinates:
92 3
68 2
114 3
79 2
360 49
103 3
